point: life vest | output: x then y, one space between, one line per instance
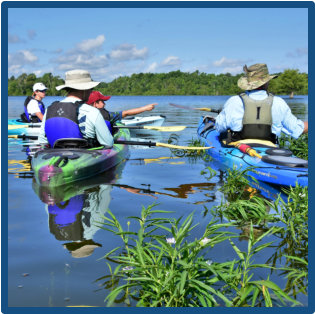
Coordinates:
65 212
62 121
65 219
257 119
105 114
26 117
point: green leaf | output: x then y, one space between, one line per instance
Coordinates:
183 281
238 252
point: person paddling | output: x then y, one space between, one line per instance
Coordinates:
256 113
72 118
34 108
97 100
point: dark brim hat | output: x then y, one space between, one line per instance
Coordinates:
255 76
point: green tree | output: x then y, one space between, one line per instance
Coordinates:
290 82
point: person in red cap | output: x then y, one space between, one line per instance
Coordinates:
97 100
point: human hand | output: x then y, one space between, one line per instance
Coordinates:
149 107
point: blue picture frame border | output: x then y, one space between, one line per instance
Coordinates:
6 5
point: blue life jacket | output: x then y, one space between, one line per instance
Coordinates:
62 121
27 115
65 213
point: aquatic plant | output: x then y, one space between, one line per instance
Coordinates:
236 184
292 251
299 146
159 266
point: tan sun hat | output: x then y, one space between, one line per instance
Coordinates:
78 79
84 251
255 76
81 249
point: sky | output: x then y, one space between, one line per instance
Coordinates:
113 42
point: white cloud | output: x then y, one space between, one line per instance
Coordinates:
126 52
22 57
233 70
171 61
224 62
91 44
28 56
67 62
233 66
151 68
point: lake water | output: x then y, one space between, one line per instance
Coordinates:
47 268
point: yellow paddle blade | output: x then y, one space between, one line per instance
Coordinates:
203 109
12 136
13 127
21 126
181 147
175 128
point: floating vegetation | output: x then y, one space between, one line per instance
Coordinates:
159 266
299 147
193 155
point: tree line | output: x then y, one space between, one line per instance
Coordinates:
289 82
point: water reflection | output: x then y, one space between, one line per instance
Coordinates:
75 210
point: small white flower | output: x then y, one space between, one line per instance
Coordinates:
302 195
204 241
170 240
209 262
128 268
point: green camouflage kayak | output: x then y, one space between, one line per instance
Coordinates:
59 166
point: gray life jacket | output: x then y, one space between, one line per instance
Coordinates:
257 119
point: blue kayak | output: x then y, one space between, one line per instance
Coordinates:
277 166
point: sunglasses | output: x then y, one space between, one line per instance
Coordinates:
42 91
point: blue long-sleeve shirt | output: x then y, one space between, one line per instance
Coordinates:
283 120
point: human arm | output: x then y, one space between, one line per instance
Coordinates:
286 122
33 109
42 139
39 115
102 132
305 127
231 116
138 110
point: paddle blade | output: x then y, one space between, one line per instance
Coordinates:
176 128
200 109
22 126
203 109
181 147
14 127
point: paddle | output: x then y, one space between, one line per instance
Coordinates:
175 128
200 109
149 143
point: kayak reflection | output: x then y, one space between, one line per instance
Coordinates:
75 210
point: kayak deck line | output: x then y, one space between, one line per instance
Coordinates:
276 166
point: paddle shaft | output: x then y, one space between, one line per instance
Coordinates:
33 137
149 143
174 128
200 109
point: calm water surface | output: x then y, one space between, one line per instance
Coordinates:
47 264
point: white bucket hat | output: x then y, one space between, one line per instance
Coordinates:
39 86
78 79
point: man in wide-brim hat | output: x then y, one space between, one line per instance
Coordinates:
72 117
256 113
